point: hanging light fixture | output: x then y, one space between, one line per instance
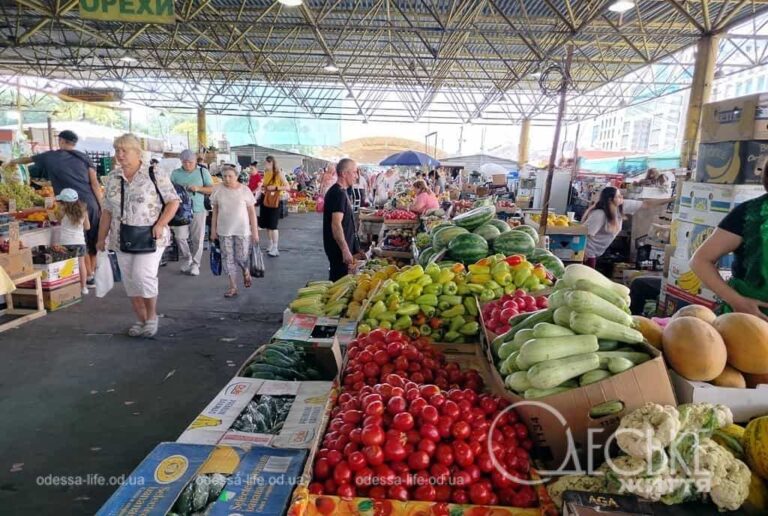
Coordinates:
330 67
128 59
290 3
621 6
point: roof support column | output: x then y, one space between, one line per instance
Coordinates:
522 146
202 137
703 75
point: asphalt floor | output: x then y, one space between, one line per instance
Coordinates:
82 404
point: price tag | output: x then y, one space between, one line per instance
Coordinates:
13 236
49 201
12 205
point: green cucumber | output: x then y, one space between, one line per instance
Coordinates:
522 337
551 373
619 364
544 330
608 345
593 376
562 317
509 365
522 322
636 357
275 357
540 350
607 408
518 382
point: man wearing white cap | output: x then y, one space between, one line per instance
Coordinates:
198 182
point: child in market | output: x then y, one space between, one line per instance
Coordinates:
234 224
73 215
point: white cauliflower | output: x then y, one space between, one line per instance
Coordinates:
704 418
720 474
627 474
574 483
647 430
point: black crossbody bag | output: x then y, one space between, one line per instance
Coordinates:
137 239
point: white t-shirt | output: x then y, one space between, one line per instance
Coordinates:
384 185
71 233
600 234
232 204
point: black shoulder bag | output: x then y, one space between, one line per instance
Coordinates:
207 198
137 239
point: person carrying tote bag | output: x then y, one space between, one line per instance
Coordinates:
138 207
272 187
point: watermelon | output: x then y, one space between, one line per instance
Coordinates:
441 237
475 217
468 248
444 224
530 231
488 231
501 225
548 260
485 201
425 255
514 242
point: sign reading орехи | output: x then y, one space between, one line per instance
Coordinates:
146 11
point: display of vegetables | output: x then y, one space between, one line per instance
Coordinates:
199 495
24 195
404 441
400 215
686 462
586 328
324 297
264 415
281 360
398 239
374 356
497 314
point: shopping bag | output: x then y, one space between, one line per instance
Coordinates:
104 277
116 275
256 262
215 258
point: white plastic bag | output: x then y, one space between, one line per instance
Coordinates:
103 276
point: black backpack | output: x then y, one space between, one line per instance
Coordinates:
184 214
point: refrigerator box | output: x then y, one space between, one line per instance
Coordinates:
212 480
708 204
742 118
317 330
289 415
733 163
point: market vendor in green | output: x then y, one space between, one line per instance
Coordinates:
744 232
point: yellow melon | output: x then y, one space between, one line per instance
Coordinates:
730 377
746 338
650 330
694 349
698 311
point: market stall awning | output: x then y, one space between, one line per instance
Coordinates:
410 159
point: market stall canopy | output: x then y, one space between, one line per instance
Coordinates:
410 159
395 61
488 170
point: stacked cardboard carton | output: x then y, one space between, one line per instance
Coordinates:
731 160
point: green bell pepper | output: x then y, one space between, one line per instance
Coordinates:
427 299
471 305
453 311
475 289
487 295
452 336
433 270
385 325
451 300
521 276
470 328
446 275
424 281
373 323
388 316
428 310
425 330
390 287
402 323
410 275
456 323
462 290
434 288
377 309
408 309
450 288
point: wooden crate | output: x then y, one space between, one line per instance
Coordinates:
23 315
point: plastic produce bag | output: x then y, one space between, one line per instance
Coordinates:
104 276
215 256
256 262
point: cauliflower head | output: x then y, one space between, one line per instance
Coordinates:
574 483
704 418
627 474
648 429
724 477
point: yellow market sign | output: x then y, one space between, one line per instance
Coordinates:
137 11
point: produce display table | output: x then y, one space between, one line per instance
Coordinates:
23 315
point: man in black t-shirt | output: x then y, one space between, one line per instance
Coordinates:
339 235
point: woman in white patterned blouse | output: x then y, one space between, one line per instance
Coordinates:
150 200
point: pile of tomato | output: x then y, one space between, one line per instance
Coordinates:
391 437
376 355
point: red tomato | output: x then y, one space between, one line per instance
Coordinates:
437 400
346 491
485 463
374 455
428 431
443 494
372 420
521 430
372 435
427 391
322 469
365 357
394 451
462 453
418 377
410 352
384 390
393 335
440 472
474 472
450 409
444 454
413 437
476 447
355 435
376 335
417 406
412 394
342 473
378 493
334 457
356 461
418 460
384 474
401 363
394 349
329 486
444 424
429 414
428 446
479 435
316 488
395 380
398 492
461 430
425 493
456 395
349 449
403 421
460 496
542 302
396 404
480 493
381 358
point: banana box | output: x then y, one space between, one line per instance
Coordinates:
742 118
251 412
213 480
708 204
732 163
681 279
686 237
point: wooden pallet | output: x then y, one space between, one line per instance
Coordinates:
23 315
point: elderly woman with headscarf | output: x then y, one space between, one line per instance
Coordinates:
138 205
190 238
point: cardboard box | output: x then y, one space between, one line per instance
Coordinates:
577 503
317 330
326 359
742 118
569 248
300 430
688 237
733 163
744 403
545 417
708 204
53 300
17 263
56 271
675 298
682 278
260 480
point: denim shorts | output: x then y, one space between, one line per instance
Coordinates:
79 250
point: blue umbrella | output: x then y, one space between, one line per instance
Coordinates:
410 159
